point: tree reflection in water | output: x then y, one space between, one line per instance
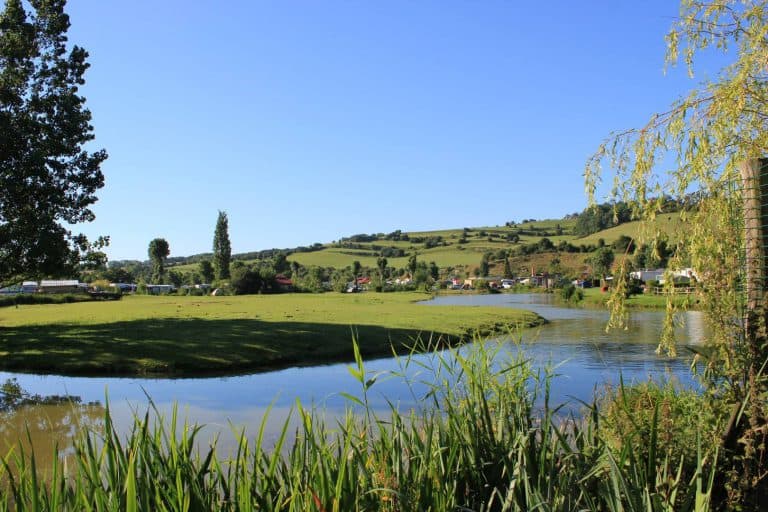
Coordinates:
45 425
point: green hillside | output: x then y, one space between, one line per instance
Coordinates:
459 251
667 223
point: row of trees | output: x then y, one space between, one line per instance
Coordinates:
217 269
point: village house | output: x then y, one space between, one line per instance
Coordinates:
646 275
283 283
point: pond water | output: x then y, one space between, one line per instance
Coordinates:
574 340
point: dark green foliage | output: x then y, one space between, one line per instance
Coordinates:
434 271
311 280
602 216
175 278
42 298
280 263
571 293
484 265
392 252
396 236
507 270
412 264
601 261
381 263
360 238
222 249
207 271
117 275
46 175
545 245
158 251
340 280
624 244
657 256
245 280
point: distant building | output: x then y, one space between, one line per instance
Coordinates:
124 287
283 283
648 274
62 286
160 289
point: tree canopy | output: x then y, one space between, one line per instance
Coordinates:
47 177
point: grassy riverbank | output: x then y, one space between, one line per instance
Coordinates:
596 297
168 335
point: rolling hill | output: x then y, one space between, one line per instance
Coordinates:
459 251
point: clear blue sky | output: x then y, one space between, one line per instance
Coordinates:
310 120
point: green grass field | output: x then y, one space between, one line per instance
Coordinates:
169 335
668 223
595 297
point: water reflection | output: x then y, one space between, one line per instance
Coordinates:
47 429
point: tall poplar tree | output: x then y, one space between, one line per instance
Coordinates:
47 178
222 249
158 251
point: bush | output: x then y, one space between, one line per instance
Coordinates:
571 293
245 280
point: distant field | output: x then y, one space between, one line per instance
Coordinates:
452 254
169 335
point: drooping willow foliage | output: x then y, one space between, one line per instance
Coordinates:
701 144
706 135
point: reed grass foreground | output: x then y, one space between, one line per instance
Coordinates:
484 438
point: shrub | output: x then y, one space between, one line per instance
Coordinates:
571 293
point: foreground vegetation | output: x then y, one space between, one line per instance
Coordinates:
485 438
172 335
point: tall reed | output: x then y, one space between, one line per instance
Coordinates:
484 438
